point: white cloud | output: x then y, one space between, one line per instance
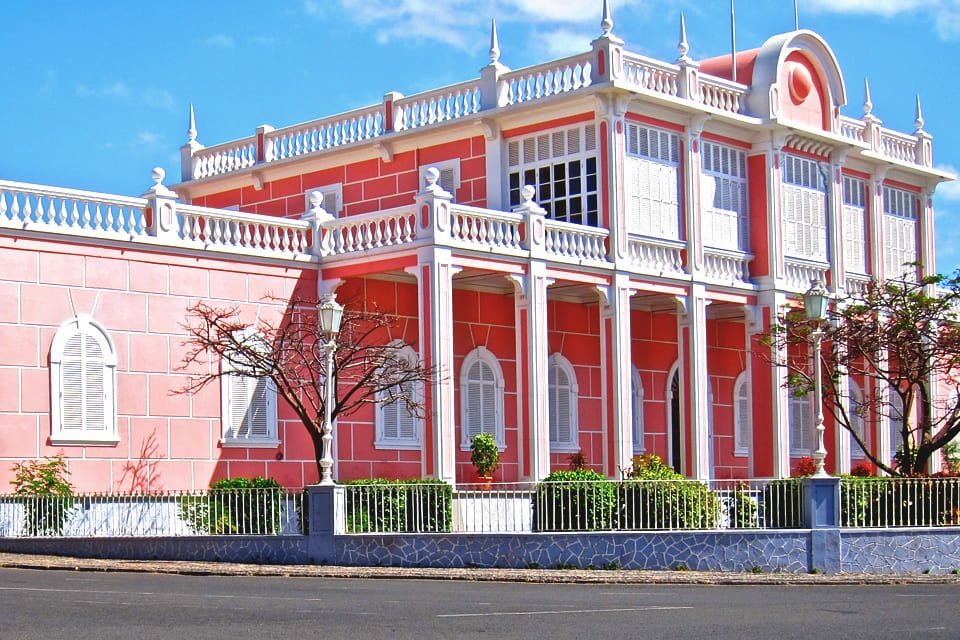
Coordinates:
118 90
945 14
220 40
463 23
148 137
564 42
949 191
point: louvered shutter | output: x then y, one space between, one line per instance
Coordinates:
488 403
331 203
474 400
406 419
896 423
94 391
390 420
800 424
238 399
258 420
71 385
448 180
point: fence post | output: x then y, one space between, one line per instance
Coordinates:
326 506
821 514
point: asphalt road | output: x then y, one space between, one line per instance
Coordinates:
36 605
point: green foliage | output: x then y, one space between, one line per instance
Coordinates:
48 495
235 506
578 500
484 454
661 498
379 505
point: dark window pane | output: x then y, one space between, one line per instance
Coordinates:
529 178
591 165
592 202
515 180
574 169
576 218
514 197
560 210
576 205
559 189
559 171
591 182
574 186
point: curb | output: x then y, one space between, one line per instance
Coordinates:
541 576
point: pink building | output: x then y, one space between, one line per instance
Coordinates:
611 308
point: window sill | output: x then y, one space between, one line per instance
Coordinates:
249 444
84 441
564 448
402 445
741 453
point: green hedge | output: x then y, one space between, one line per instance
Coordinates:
236 506
578 500
378 505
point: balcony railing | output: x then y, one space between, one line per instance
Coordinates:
656 256
799 273
726 266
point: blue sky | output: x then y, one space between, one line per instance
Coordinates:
97 93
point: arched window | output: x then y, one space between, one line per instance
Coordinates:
249 403
636 406
83 366
742 416
564 409
481 396
674 408
397 426
855 417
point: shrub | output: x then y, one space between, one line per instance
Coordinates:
863 470
804 468
885 501
378 505
48 495
657 497
236 506
577 461
578 500
484 454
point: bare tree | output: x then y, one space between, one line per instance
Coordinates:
369 364
903 339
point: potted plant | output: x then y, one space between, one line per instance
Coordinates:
485 456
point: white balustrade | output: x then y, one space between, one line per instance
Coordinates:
655 255
31 206
726 266
575 242
722 94
650 75
484 229
857 285
553 78
853 129
224 158
369 231
898 146
799 273
326 133
244 232
448 103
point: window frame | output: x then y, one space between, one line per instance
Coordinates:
229 371
484 356
803 186
900 220
544 156
83 325
381 440
731 185
807 417
636 414
741 392
557 362
663 167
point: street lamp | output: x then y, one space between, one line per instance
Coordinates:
815 302
329 316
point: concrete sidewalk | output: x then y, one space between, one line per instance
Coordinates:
24 561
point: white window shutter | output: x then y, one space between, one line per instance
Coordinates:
636 406
743 413
389 415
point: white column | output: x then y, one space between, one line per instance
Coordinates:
616 373
779 401
693 345
434 273
691 195
835 223
875 227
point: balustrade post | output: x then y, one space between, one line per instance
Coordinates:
872 132
392 117
493 92
190 149
688 76
265 149
534 223
433 208
607 63
161 206
321 241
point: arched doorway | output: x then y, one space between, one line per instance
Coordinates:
675 427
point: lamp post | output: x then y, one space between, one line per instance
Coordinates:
329 316
815 302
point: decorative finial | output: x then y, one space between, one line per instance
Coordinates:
527 193
494 43
683 47
192 129
432 174
867 102
158 174
919 121
606 21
